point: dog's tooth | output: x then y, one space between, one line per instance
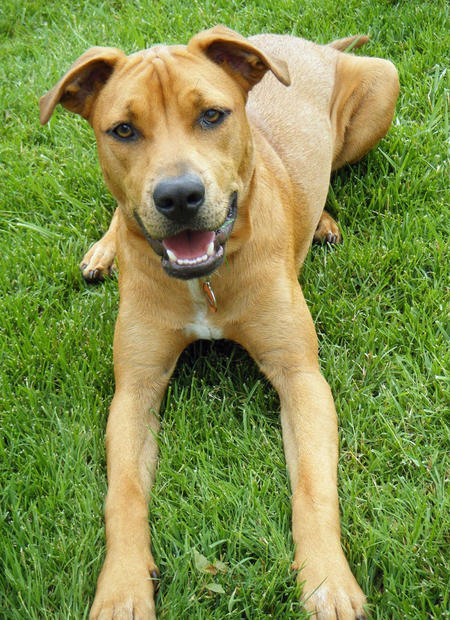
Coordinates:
187 261
210 250
172 256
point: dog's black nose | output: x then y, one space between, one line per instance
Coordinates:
179 198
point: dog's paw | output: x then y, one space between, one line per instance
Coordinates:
335 597
125 593
98 262
327 230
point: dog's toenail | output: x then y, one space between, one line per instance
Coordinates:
154 576
93 274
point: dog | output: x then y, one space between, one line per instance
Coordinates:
219 155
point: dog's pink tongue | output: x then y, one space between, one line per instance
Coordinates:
189 243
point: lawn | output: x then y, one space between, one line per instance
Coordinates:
378 300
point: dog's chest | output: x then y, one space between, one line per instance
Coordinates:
201 326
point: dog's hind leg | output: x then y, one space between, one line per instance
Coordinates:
98 262
362 105
362 109
327 230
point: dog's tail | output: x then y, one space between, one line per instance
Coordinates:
349 43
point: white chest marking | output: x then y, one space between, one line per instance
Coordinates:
201 326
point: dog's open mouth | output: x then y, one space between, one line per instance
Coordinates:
194 253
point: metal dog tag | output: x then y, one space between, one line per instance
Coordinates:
210 297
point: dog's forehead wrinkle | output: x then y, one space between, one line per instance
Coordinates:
178 76
151 52
131 70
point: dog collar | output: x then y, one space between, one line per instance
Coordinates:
209 295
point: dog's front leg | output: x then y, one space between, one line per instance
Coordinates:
281 338
310 440
98 262
144 361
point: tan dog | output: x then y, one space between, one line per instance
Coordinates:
201 169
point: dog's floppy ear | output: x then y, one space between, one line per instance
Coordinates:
239 57
79 87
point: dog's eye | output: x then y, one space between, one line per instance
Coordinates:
124 131
212 117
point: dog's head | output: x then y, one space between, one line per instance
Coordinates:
173 138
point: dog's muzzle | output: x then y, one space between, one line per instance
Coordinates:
193 253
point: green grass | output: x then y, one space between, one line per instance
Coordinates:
379 303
